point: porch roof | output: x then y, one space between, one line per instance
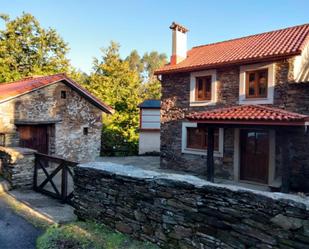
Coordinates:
249 115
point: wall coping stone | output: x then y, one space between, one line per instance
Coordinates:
16 153
130 171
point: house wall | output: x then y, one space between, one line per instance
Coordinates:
69 115
175 106
149 141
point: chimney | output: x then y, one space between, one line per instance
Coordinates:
179 46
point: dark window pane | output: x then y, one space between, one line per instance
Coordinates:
262 83
203 88
197 138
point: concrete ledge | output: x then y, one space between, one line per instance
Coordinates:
135 172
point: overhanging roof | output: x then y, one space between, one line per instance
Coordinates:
17 88
271 45
150 104
249 115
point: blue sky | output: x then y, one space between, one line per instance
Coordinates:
88 25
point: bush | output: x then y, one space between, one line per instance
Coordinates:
87 235
114 143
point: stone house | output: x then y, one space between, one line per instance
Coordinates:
149 127
53 115
238 109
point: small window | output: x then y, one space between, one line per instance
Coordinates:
203 88
257 84
63 94
197 138
85 131
2 139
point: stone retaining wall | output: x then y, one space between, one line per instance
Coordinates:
17 166
183 211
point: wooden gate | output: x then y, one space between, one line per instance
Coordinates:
53 176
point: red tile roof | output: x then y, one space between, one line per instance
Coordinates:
270 45
13 89
249 114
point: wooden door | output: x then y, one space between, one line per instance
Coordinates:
254 155
34 137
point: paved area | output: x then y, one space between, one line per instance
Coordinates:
153 163
15 231
44 206
144 162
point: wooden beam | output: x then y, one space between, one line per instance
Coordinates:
210 154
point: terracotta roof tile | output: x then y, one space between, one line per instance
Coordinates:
23 86
249 114
254 48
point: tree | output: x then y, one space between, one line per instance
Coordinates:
135 62
145 66
27 49
114 82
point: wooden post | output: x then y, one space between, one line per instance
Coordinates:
35 173
64 183
285 187
210 154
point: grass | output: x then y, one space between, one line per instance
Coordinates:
88 235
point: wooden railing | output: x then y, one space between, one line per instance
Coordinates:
56 171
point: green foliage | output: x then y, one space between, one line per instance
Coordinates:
123 84
27 49
87 235
145 66
114 82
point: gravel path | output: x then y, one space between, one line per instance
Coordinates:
15 231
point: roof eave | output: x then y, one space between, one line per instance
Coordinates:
225 64
251 122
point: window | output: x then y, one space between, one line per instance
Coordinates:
257 84
63 94
2 139
197 138
85 131
203 88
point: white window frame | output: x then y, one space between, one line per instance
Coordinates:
214 84
185 149
270 88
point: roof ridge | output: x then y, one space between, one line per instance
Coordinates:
247 36
29 78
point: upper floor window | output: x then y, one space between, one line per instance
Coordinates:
257 83
203 88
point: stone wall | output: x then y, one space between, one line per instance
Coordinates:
182 211
17 166
67 118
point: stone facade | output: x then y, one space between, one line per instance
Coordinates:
17 166
66 117
176 105
181 211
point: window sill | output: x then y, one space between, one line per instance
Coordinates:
200 152
202 103
256 101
